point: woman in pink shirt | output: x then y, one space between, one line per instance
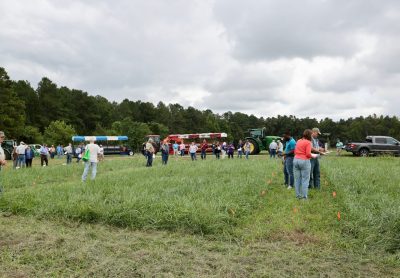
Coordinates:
302 165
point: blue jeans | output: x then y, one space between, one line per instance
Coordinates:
164 158
315 180
301 169
193 156
288 171
21 160
182 152
203 154
217 155
247 154
149 156
272 153
240 153
93 165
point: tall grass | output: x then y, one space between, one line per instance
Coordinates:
206 197
369 192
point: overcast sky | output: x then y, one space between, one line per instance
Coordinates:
315 58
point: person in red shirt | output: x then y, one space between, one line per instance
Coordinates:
302 164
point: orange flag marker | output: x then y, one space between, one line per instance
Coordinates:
338 215
295 210
334 194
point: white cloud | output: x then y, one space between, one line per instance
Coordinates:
316 58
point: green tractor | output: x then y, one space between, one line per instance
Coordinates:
258 141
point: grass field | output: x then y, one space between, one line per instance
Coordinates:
229 218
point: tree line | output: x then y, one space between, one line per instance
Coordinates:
52 114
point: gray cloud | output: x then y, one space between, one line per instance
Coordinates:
334 58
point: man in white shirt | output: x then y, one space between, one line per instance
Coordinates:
94 151
21 155
272 149
69 152
2 156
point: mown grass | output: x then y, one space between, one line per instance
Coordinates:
204 218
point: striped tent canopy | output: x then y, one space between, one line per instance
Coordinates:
99 138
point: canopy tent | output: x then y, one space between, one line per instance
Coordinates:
99 138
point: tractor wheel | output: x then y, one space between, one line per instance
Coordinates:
254 148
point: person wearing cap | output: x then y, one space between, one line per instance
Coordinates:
94 151
315 170
289 156
149 152
21 155
2 156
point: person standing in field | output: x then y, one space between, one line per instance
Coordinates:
94 151
302 165
29 155
247 148
59 151
240 149
3 161
182 148
272 149
217 150
204 147
231 150
69 152
149 149
101 153
175 148
288 163
224 148
339 147
21 155
15 157
78 152
164 152
280 148
192 150
315 180
52 151
44 152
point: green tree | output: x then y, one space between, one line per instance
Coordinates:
32 135
58 132
12 119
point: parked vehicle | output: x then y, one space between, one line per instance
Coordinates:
111 144
8 146
374 145
259 141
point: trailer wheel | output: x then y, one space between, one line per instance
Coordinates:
131 153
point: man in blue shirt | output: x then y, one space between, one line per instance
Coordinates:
289 156
175 147
315 171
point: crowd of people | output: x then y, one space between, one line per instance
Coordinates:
220 151
300 159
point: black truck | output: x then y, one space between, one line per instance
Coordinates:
375 145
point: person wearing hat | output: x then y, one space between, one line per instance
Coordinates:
149 152
21 155
316 149
2 156
289 157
